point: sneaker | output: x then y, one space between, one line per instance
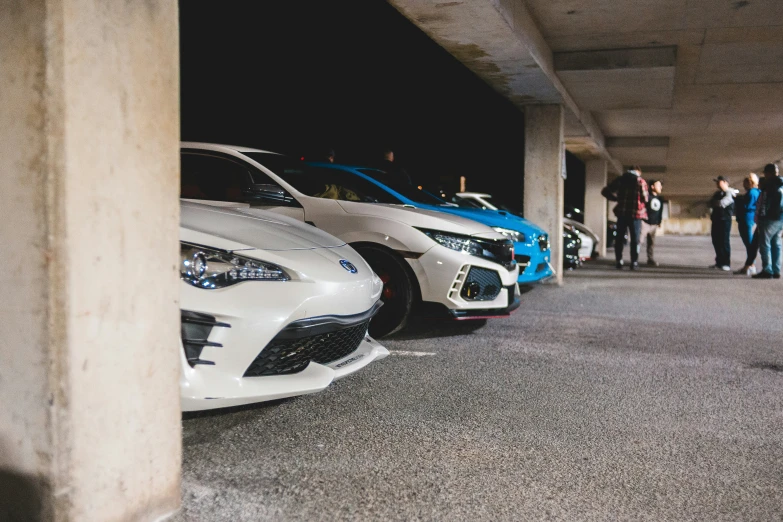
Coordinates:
725 268
745 270
634 265
619 265
763 275
751 270
775 276
652 262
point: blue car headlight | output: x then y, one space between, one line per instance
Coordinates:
514 235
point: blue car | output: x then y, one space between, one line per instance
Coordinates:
531 244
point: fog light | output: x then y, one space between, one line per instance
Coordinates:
471 290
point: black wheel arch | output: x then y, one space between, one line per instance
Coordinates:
411 274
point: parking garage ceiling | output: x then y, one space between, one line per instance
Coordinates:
688 89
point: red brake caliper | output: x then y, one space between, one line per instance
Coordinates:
388 292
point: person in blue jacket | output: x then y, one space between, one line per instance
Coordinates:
745 210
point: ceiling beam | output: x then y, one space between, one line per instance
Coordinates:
651 169
501 42
641 141
610 59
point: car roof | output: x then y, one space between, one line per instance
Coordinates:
345 166
478 194
489 218
221 147
357 171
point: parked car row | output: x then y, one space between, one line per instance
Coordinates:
579 242
289 269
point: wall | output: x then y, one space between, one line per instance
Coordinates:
89 175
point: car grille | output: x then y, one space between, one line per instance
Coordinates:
283 356
481 285
522 261
194 330
500 251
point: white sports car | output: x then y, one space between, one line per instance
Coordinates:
450 263
271 308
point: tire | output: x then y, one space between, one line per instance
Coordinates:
398 294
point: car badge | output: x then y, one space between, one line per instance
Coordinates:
348 266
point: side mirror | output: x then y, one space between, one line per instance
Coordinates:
268 193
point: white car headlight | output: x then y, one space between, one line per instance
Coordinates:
211 268
455 242
514 235
500 251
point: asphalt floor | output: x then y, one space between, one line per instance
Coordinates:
648 395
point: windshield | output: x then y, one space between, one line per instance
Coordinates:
322 182
411 192
467 203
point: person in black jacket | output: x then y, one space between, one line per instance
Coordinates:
630 193
722 204
654 218
770 223
388 165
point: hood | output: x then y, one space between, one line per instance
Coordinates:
581 227
253 228
422 218
495 218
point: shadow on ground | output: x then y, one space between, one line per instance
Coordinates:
434 328
605 269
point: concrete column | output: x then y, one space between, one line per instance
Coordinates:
543 175
89 314
595 203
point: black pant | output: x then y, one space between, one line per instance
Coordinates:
721 240
634 227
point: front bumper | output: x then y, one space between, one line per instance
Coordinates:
514 302
442 272
251 315
439 311
534 263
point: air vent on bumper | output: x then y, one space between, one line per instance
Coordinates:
283 356
322 340
195 329
481 285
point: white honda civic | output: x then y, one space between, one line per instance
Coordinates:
271 308
434 261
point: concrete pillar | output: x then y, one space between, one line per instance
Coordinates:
595 203
89 314
543 175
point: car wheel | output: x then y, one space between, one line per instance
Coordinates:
398 290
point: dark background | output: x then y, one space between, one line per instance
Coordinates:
302 76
